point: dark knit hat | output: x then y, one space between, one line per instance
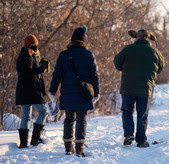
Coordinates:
29 40
79 34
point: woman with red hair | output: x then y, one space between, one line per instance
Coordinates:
30 90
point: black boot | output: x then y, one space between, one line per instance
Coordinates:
79 148
23 135
36 134
143 144
128 140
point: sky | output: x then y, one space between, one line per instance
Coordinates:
163 5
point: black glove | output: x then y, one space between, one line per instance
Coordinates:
45 65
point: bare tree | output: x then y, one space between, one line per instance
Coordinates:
53 22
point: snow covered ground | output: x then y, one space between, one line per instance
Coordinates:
104 141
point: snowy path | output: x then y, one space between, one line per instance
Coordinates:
104 139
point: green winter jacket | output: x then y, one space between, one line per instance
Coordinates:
140 63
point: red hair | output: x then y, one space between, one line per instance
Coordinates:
29 40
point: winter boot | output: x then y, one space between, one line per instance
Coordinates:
36 134
80 148
143 144
69 149
23 135
128 140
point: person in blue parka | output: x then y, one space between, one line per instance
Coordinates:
71 100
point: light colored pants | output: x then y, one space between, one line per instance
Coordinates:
27 111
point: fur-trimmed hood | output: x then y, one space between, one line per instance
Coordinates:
77 43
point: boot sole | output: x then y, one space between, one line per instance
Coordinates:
80 155
22 147
143 146
69 153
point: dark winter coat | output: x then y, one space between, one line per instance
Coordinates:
140 63
70 96
30 86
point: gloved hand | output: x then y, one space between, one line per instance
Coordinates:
96 98
45 65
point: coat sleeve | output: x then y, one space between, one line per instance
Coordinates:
119 60
94 77
57 75
161 62
27 68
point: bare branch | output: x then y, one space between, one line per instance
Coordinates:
60 26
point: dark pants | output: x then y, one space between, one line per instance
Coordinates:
142 116
81 123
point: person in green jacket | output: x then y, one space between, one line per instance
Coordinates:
140 63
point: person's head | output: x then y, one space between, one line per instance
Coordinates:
141 34
31 42
79 34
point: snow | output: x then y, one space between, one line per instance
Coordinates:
104 141
11 122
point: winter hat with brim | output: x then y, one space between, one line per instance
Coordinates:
79 34
141 34
30 40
